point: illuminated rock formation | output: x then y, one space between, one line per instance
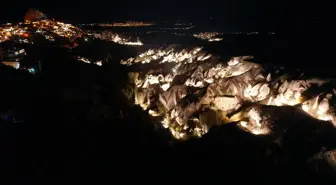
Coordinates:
34 15
187 84
109 36
209 36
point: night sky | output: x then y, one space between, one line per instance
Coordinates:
235 14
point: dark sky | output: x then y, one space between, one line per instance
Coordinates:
227 13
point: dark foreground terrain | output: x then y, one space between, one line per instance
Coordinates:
78 127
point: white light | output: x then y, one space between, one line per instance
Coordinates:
243 123
165 87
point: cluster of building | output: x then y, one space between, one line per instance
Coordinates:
207 92
13 37
61 29
209 36
10 52
12 57
36 23
9 31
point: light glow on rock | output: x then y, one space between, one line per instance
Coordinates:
205 91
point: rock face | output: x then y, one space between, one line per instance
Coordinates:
196 91
34 15
330 157
171 97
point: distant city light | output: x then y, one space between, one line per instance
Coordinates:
210 36
44 27
124 24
